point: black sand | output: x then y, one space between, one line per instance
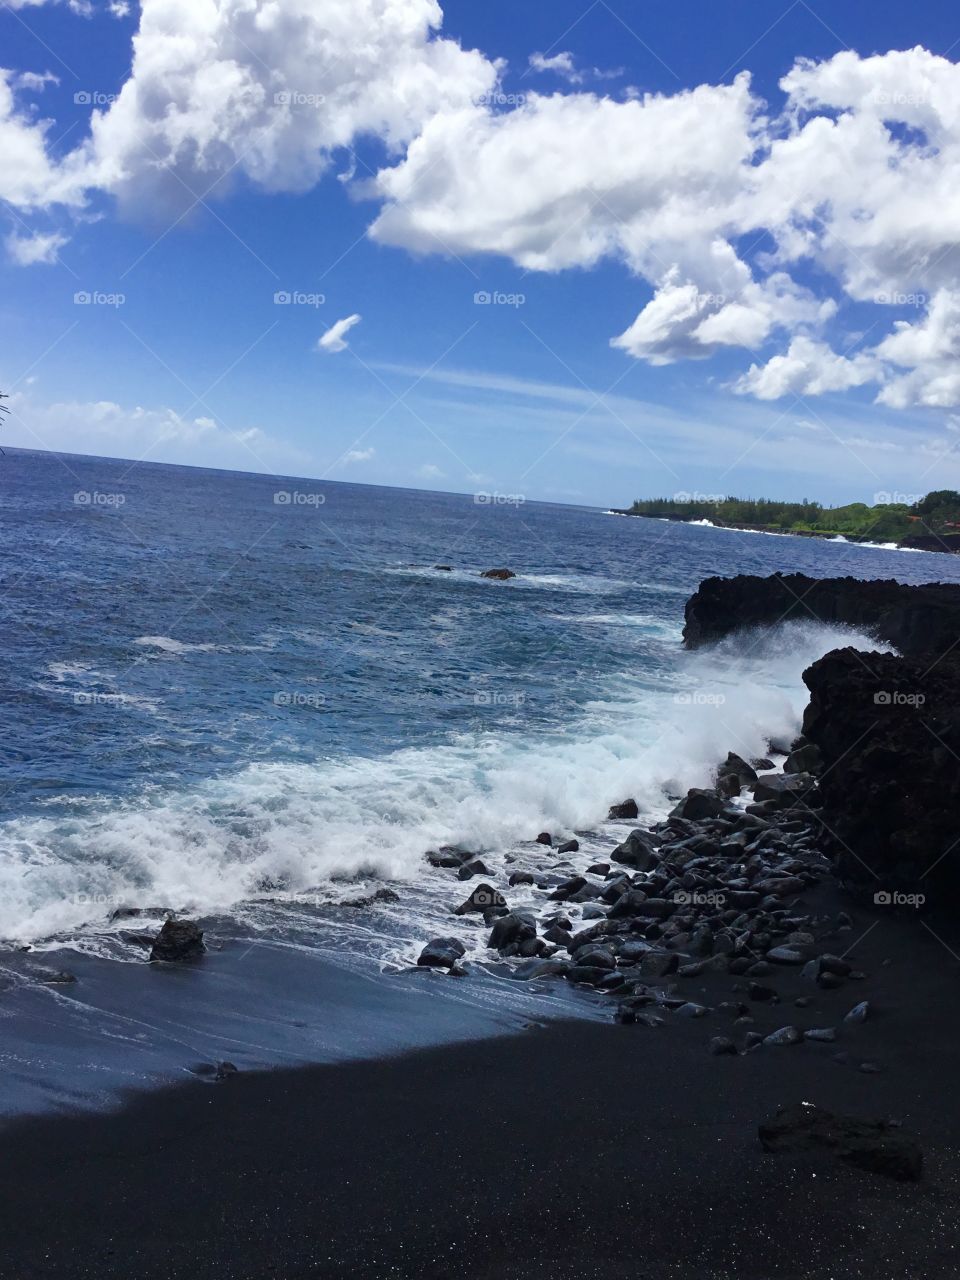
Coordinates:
577 1150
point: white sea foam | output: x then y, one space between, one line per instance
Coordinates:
166 644
213 845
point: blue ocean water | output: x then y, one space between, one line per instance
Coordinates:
220 684
255 698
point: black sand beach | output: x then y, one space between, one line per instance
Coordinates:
574 1150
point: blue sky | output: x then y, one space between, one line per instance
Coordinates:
184 353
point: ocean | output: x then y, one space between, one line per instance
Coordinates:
256 700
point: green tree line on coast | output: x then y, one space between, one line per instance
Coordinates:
937 513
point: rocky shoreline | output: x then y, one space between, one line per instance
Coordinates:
944 543
776 1049
730 910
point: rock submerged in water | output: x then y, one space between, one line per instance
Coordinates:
498 575
483 898
873 1145
441 953
178 940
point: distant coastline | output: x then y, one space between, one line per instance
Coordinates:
930 523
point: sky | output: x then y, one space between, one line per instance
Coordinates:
579 252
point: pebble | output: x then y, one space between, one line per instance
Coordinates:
785 1035
722 1045
859 1013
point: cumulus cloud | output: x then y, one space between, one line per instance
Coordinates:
270 90
859 177
851 181
29 178
808 368
358 455
566 180
333 340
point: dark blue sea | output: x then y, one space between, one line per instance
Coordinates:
252 699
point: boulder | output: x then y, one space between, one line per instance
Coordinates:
545 838
639 850
447 857
520 877
515 927
569 846
698 804
441 953
889 733
178 940
805 759
498 575
627 809
872 1145
475 867
737 765
568 888
482 899
914 619
785 790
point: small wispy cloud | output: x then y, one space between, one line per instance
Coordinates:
29 250
564 65
430 471
358 455
333 340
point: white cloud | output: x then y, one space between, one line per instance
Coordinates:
561 63
564 65
34 80
358 455
577 178
853 183
29 179
429 471
808 368
26 250
270 90
333 340
153 434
